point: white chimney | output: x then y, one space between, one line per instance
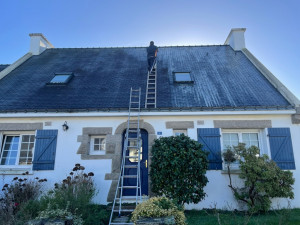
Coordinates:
38 43
236 39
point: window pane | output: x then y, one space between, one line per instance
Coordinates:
250 139
96 147
230 139
60 79
183 77
25 138
26 150
96 141
10 150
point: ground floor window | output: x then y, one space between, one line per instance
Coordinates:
232 138
17 149
98 145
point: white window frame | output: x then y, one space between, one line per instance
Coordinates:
92 142
16 165
177 132
261 143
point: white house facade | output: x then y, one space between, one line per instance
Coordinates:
228 97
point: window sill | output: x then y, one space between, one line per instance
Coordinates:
15 171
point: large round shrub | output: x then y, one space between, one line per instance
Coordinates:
178 169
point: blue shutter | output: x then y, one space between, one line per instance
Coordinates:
281 148
210 139
45 149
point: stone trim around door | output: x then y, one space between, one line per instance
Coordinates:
242 124
20 126
116 159
179 124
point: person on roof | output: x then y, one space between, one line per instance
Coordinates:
151 54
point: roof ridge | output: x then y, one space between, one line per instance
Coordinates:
117 47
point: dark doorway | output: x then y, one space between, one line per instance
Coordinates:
133 161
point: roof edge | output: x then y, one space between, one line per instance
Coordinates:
14 65
283 90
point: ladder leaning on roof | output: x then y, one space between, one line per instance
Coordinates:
132 142
151 86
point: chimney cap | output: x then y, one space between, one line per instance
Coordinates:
230 33
42 36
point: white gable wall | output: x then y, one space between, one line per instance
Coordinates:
218 193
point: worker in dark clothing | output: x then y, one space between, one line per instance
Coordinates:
151 54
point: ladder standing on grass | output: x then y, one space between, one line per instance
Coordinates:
132 136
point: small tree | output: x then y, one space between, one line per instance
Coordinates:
263 179
178 169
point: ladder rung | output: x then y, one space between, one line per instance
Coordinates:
133 197
130 176
131 157
151 98
133 146
150 103
123 210
130 166
133 138
128 187
135 102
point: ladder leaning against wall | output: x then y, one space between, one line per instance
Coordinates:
132 142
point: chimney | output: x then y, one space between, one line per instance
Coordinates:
236 39
38 43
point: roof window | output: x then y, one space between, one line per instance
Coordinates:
183 77
61 78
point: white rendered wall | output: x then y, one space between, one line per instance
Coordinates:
218 193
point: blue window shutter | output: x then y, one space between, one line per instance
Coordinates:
281 148
210 139
45 149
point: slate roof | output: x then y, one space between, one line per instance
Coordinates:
3 66
223 78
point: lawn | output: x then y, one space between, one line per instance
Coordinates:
211 217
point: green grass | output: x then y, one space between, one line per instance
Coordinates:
210 217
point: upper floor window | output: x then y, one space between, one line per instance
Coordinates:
183 77
61 78
17 149
98 145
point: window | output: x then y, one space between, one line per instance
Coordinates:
179 132
17 150
61 78
233 138
98 145
183 77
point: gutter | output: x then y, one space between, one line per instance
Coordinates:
146 114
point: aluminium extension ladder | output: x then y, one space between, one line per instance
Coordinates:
151 87
132 142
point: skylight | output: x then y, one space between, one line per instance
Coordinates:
182 77
61 78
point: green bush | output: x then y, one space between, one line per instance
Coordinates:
263 179
17 194
178 169
158 207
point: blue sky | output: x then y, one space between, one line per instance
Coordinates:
273 27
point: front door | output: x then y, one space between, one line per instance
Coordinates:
134 161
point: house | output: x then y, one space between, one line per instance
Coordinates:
219 95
